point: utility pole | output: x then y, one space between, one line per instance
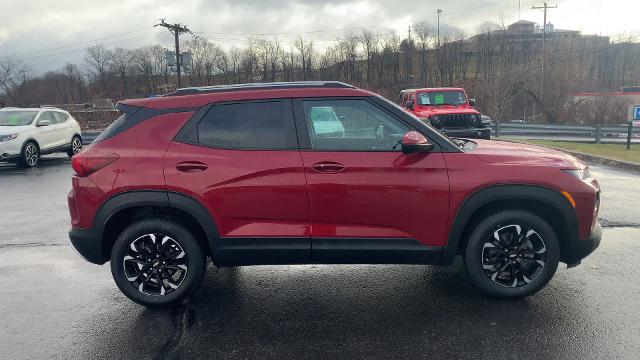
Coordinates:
176 30
438 12
544 43
518 10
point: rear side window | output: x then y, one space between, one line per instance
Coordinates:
266 125
112 129
60 117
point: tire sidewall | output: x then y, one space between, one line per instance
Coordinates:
70 152
473 253
23 154
195 257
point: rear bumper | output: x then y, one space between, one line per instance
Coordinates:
87 245
580 249
473 133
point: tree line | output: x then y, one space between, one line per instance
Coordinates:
502 72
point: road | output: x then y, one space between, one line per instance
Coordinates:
55 305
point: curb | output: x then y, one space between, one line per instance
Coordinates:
626 165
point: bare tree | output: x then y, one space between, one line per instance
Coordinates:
97 59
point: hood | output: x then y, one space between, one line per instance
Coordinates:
8 130
506 152
427 111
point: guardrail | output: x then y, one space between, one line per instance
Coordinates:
600 134
597 134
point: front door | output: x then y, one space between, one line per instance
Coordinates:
242 162
369 202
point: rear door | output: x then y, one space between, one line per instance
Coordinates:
64 130
241 161
369 202
46 135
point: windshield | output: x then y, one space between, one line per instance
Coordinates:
16 118
442 98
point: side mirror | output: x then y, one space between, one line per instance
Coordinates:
44 123
472 102
409 104
413 142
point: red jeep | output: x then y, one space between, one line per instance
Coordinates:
318 172
446 109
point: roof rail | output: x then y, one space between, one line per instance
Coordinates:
259 86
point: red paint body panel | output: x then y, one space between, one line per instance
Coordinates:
138 167
271 194
498 162
378 195
250 193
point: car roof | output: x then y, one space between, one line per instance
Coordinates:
434 89
198 96
32 109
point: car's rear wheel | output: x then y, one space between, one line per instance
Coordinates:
30 154
156 262
512 254
76 146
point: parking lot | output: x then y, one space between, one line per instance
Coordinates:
56 305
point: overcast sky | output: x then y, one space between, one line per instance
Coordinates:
48 33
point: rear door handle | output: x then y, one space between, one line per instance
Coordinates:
191 166
328 167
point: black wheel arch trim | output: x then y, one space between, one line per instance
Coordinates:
497 193
98 251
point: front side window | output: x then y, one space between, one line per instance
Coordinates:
252 125
351 125
16 118
436 98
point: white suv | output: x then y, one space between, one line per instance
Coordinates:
27 133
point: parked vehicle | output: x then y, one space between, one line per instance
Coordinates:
447 109
28 133
249 174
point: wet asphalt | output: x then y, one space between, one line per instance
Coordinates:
55 305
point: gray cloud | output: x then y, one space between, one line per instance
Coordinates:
47 34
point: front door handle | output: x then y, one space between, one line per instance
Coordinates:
328 167
191 166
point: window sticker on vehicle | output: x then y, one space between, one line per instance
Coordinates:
439 99
13 120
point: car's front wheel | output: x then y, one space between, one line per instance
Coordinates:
156 262
512 254
76 146
30 154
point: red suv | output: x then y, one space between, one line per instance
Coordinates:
446 109
323 173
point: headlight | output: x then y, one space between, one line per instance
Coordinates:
581 174
8 137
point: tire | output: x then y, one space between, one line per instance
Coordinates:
135 269
502 268
76 146
30 154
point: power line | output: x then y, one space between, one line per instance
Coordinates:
82 43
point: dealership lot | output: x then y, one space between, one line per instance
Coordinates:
56 305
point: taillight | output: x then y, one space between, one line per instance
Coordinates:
84 165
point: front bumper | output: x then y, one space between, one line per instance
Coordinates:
580 249
472 133
9 150
87 245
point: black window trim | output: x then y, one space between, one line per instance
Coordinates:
189 132
305 141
